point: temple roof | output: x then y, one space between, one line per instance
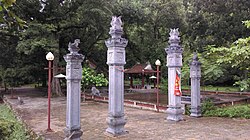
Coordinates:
140 68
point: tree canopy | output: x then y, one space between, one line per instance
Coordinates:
215 29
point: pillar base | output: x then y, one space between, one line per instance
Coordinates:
116 126
195 112
72 134
174 114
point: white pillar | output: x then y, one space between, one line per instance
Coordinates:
195 75
73 77
174 64
116 61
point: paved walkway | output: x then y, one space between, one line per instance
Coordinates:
141 124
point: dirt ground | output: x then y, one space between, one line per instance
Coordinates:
141 124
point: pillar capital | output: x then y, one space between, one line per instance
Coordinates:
195 61
74 56
116 44
174 41
116 31
174 51
195 67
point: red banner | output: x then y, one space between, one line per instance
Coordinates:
177 86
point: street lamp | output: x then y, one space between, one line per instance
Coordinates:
50 58
157 63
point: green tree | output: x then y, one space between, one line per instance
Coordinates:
215 22
237 56
53 24
146 26
8 19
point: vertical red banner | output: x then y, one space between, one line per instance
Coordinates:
177 86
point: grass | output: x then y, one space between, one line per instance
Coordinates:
11 128
237 111
215 88
210 110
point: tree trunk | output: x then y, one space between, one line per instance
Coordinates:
5 87
56 87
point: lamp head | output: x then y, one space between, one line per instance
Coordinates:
157 62
50 56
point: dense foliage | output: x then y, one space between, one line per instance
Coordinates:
237 57
91 78
10 127
208 109
238 111
211 28
8 19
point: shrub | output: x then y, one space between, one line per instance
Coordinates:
90 78
238 111
243 84
10 127
207 106
187 110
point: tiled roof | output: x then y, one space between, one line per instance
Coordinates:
139 68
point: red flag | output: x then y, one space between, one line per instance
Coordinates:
177 86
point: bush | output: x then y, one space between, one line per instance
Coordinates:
238 111
243 84
187 110
207 106
10 127
90 78
5 129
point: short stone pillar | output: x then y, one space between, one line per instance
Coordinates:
116 61
174 64
73 77
195 75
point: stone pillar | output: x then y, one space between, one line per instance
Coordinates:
73 77
195 75
174 64
116 61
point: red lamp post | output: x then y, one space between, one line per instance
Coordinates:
157 63
50 58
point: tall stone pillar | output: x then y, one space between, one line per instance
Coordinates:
73 77
195 75
116 61
174 64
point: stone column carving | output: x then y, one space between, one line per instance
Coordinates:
116 61
195 75
174 64
73 77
